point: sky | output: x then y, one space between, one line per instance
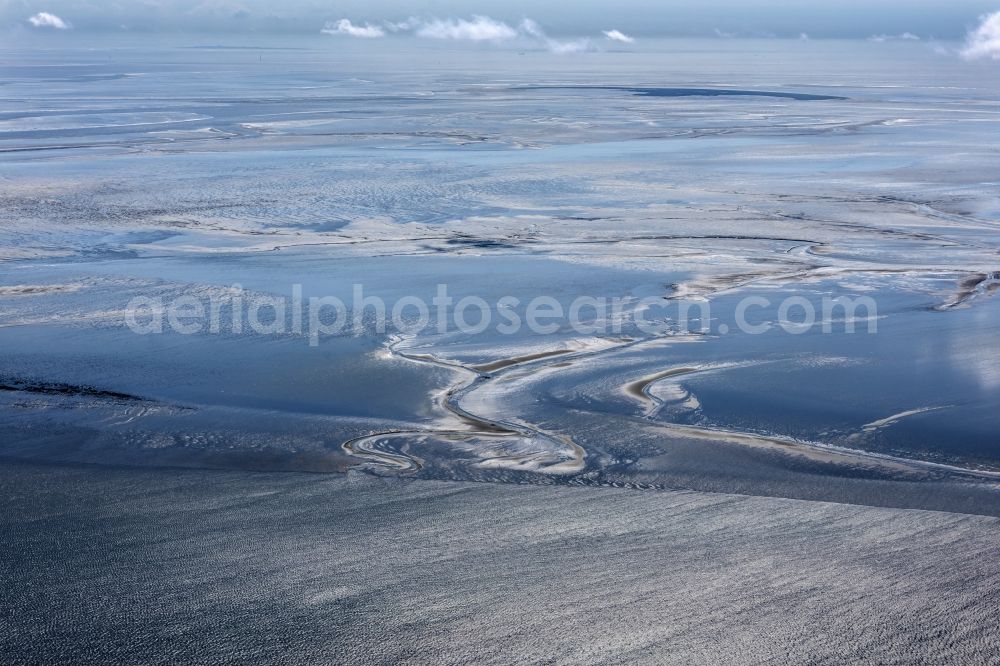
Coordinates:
928 19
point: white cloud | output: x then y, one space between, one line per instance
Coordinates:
479 29
906 36
803 37
485 29
411 23
532 29
476 29
345 27
47 20
618 36
984 41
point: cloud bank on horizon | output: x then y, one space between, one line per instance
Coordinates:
984 41
904 36
345 27
478 28
906 20
856 19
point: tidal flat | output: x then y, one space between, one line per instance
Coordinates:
130 565
679 181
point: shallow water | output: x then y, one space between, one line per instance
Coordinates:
167 170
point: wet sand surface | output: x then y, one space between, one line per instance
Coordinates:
122 566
